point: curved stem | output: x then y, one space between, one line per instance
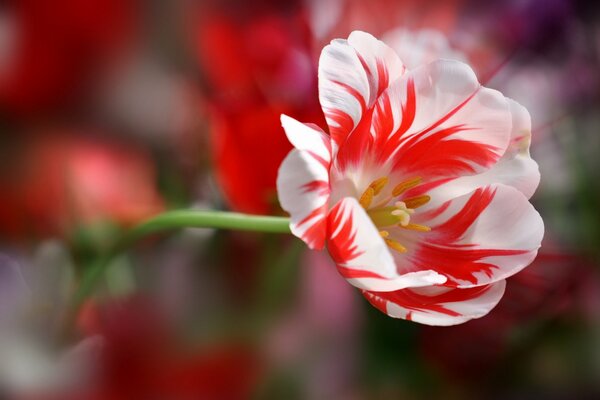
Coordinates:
171 220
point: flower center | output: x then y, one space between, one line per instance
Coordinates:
384 215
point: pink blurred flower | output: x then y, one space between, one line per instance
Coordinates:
314 337
60 181
397 140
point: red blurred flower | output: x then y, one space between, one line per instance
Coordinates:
142 360
53 48
257 64
59 181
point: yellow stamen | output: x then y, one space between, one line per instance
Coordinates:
416 202
384 234
379 184
395 245
416 227
367 197
405 185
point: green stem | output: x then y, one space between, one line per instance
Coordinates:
172 220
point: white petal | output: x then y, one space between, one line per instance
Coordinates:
361 254
438 306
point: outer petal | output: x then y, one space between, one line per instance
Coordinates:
307 137
303 182
438 121
361 254
479 238
516 168
352 73
439 306
380 62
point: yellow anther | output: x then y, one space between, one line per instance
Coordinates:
395 245
405 185
378 184
384 234
416 202
367 197
416 227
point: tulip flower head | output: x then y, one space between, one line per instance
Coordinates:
420 191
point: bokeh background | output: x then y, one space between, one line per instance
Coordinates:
112 111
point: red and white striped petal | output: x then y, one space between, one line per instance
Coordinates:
303 181
438 306
381 63
307 137
438 121
361 255
352 73
303 191
516 168
479 238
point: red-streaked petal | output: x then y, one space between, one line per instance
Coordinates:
436 121
361 254
352 73
303 191
380 62
439 306
516 168
343 88
478 238
307 137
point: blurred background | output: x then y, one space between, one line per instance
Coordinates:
112 111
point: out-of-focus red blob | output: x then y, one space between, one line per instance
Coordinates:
52 49
58 182
248 146
257 65
141 358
